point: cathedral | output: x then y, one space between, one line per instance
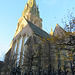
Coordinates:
30 48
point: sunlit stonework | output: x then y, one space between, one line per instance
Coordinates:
33 50
26 42
31 13
51 33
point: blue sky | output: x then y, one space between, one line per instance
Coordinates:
51 11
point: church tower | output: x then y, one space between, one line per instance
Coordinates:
30 13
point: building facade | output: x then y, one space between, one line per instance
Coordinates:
32 48
27 49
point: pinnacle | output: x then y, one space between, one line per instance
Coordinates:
56 25
32 2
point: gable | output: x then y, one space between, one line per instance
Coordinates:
25 31
37 31
21 24
59 31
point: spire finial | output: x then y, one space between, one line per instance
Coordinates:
51 33
31 2
56 24
51 29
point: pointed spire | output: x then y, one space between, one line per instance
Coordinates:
56 25
51 33
31 2
31 13
51 29
31 7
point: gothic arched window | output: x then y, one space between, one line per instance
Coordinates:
34 9
19 50
15 47
25 40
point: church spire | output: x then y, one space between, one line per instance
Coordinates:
31 7
32 2
31 13
51 33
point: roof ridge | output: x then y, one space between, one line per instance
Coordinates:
38 30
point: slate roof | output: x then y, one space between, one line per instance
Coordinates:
37 31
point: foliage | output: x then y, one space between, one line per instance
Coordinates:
69 22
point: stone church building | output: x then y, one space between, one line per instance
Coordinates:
30 48
27 49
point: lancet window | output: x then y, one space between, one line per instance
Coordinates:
25 40
15 47
19 50
34 9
